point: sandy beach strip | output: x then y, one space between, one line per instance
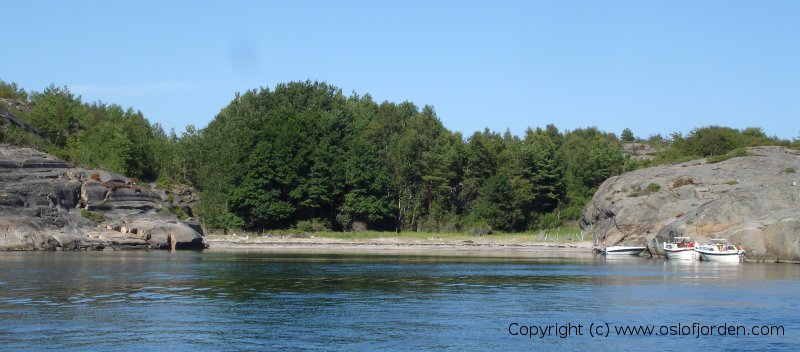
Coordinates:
396 246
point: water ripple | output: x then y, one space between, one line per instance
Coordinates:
212 301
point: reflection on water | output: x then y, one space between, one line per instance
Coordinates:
267 300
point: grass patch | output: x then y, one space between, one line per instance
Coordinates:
732 182
789 170
636 191
96 217
182 216
736 153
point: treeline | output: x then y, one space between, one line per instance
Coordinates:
305 155
94 134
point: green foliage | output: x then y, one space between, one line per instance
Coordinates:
716 144
179 213
14 135
163 182
736 153
590 157
548 221
478 228
224 221
304 151
12 91
57 113
313 225
627 135
710 141
96 217
304 156
574 211
790 170
732 182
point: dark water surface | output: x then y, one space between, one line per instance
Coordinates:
232 301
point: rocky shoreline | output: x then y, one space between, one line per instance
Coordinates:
47 205
753 200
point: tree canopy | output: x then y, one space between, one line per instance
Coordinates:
304 153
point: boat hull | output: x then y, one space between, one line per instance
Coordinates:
681 254
720 257
619 251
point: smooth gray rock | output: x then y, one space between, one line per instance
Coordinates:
41 200
754 200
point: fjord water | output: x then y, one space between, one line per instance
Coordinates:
259 300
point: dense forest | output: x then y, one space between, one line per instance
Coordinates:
304 155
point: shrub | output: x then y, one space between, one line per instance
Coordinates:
313 225
478 228
12 91
96 217
653 187
179 213
736 153
732 182
572 212
712 140
789 170
548 221
225 221
163 183
344 219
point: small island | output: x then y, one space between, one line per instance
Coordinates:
303 165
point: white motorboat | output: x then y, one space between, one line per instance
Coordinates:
719 250
681 248
626 251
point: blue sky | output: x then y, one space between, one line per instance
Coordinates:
652 66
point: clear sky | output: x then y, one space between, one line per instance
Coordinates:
652 66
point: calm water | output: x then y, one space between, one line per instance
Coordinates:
232 301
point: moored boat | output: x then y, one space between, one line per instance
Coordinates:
719 250
681 248
624 250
